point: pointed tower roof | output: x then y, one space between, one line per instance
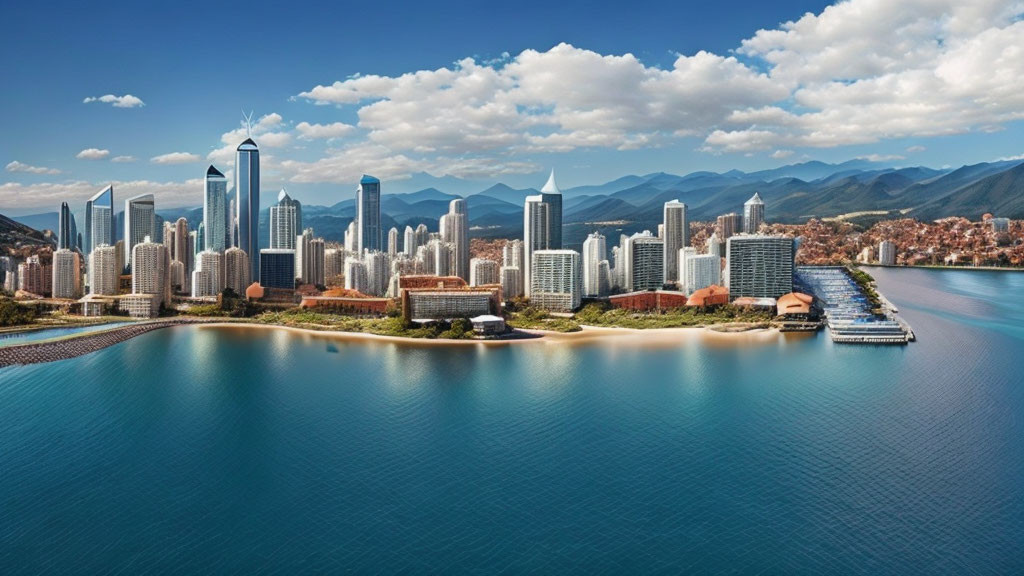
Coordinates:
212 171
551 187
248 145
282 195
756 199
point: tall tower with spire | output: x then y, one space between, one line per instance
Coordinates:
753 214
542 225
247 203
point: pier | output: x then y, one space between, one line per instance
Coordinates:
850 314
72 346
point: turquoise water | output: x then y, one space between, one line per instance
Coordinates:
204 450
15 338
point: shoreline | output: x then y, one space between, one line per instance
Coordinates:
943 267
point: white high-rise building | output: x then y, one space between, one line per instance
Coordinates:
351 244
104 273
542 226
753 214
676 235
214 210
702 270
759 266
886 253
139 223
409 245
236 270
285 222
714 245
645 262
594 252
393 242
67 274
483 271
206 279
455 230
557 280
356 276
378 272
512 253
150 266
511 282
682 256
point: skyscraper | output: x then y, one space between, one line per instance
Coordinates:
285 222
214 208
759 266
67 273
368 233
483 271
702 270
886 253
206 279
150 270
594 251
309 258
182 252
247 202
753 214
676 236
455 230
99 223
334 266
542 226
66 232
139 224
409 244
645 259
728 225
278 268
393 241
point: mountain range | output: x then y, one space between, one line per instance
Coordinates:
792 194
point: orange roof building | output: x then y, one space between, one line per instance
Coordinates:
420 281
795 304
713 295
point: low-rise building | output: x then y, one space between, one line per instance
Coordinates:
648 300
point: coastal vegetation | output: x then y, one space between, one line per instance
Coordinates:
597 314
867 286
387 326
532 318
14 314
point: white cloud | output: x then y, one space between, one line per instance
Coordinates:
16 166
333 130
881 157
93 154
48 195
126 101
123 159
1010 158
175 158
915 148
780 154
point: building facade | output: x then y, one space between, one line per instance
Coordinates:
557 280
215 234
368 232
542 226
676 235
759 266
247 203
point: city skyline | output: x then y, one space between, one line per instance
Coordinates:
324 124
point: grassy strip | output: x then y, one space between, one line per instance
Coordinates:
598 315
388 326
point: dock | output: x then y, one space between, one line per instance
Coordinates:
849 313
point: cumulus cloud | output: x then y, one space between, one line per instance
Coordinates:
16 166
175 158
780 154
123 159
328 131
881 157
268 132
49 194
126 101
93 154
915 148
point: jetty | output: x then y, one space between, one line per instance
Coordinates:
79 345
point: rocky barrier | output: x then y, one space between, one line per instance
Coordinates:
39 352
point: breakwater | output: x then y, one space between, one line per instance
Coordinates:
51 350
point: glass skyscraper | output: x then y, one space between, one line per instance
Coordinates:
99 220
139 222
247 203
368 214
67 233
214 234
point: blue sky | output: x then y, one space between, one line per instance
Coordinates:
586 90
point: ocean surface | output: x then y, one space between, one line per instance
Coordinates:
207 450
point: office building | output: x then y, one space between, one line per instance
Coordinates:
594 252
356 276
440 304
542 226
557 280
512 253
67 232
285 222
67 273
483 271
393 242
676 236
455 231
214 210
759 266
701 271
104 271
99 220
728 225
309 258
247 204
368 232
139 223
150 271
35 277
645 262
714 245
334 266
409 245
236 270
277 268
753 214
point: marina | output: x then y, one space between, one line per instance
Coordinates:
852 316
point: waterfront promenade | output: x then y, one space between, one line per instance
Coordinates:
71 347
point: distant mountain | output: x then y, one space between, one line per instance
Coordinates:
509 194
14 234
44 221
1001 194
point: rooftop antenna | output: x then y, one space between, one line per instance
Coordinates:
247 118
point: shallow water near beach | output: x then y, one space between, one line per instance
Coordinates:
203 449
